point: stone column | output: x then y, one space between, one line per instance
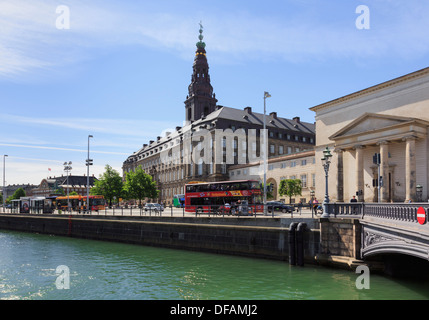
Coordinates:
410 168
384 170
359 171
340 175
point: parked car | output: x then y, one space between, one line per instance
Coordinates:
279 206
153 207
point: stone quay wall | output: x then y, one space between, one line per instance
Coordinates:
257 238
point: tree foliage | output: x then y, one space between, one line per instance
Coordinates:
139 185
109 185
16 195
290 187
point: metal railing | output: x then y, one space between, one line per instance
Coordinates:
404 212
134 211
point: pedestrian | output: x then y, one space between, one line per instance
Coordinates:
315 204
353 199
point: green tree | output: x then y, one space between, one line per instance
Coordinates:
139 185
16 195
109 185
290 187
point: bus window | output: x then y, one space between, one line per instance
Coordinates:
190 188
255 185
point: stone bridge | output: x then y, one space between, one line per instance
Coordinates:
365 231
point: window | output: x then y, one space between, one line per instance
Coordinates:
283 165
270 167
280 149
313 179
304 162
304 180
272 148
289 150
293 164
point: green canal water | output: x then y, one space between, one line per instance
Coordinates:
105 270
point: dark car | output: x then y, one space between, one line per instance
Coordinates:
279 206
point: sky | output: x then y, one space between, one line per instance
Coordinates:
119 70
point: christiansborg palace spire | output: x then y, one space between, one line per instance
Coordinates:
201 100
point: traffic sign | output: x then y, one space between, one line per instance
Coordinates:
421 215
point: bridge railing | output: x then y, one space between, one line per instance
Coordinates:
405 212
355 209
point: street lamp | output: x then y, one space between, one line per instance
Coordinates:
326 161
4 180
266 95
88 163
67 168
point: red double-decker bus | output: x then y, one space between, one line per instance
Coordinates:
225 197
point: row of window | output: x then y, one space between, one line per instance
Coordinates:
292 163
303 178
281 149
290 137
285 136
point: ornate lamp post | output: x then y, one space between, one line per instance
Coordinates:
326 161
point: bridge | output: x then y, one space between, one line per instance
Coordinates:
384 229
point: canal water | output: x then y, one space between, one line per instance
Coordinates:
42 267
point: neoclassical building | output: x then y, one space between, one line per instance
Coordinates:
230 137
391 120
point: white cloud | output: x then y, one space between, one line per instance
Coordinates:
30 41
121 127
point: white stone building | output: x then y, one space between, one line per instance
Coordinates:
390 119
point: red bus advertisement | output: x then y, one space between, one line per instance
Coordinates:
225 197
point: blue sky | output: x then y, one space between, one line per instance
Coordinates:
121 71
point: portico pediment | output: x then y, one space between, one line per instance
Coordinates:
371 128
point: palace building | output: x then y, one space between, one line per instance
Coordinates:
214 137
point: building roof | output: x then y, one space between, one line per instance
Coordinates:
73 181
373 89
245 116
